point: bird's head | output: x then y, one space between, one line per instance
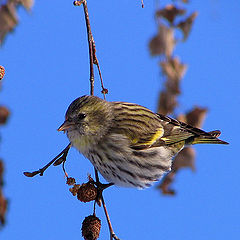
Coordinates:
88 116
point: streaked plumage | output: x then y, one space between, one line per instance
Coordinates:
128 144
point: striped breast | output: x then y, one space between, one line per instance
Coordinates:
124 166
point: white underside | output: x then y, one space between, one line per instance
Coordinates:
124 173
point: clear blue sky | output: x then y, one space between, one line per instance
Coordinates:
46 61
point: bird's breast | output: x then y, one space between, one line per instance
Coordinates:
81 142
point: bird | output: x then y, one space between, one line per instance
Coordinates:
130 145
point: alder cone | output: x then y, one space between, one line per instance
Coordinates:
91 226
87 192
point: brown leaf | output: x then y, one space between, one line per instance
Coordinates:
8 19
26 3
4 114
170 12
184 159
182 118
174 70
3 208
8 16
163 42
167 103
165 184
196 116
1 172
186 25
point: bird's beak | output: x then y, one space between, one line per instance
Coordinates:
65 126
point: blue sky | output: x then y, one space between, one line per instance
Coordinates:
46 61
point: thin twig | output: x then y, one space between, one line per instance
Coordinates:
63 167
112 234
90 46
93 60
92 51
42 170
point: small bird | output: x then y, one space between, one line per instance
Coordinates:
128 144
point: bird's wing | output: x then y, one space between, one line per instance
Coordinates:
146 129
140 125
176 131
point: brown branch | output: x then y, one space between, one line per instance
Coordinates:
93 60
62 155
92 50
90 45
112 234
104 90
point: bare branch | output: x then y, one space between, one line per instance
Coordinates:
64 152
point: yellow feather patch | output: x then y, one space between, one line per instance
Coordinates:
158 134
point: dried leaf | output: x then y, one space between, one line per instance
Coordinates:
163 42
165 184
185 159
26 3
8 19
167 103
196 116
4 114
8 16
174 70
3 201
182 118
3 208
186 25
1 172
170 12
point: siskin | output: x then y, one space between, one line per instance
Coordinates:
128 144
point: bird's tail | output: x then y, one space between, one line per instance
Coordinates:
209 137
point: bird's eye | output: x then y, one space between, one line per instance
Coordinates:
81 116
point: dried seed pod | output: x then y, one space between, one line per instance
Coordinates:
77 3
70 181
74 189
87 192
91 226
